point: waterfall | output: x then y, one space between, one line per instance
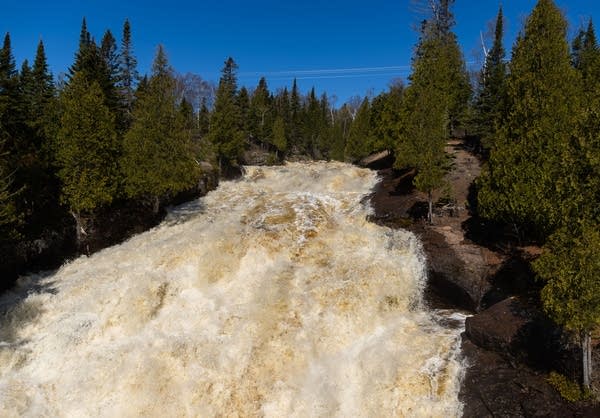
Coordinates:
271 296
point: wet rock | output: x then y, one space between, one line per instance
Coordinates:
495 386
457 264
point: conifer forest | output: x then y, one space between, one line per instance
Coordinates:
103 139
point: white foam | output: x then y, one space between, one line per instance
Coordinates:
271 296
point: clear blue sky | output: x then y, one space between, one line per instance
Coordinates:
278 39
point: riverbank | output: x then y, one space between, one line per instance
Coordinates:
509 345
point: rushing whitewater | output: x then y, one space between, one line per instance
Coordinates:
272 296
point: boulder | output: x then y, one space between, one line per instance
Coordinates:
458 267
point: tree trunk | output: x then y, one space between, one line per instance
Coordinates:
586 349
79 231
430 208
156 205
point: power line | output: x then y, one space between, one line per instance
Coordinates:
326 71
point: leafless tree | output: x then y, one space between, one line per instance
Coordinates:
194 88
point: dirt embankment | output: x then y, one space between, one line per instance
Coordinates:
509 344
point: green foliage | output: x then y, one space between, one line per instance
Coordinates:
91 61
569 265
203 118
261 112
127 74
386 111
569 390
158 158
279 135
358 143
434 98
9 220
87 147
530 179
226 133
489 106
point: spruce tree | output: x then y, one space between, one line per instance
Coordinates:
8 213
243 105
279 136
90 61
433 104
358 143
386 110
295 122
311 126
128 75
44 89
569 265
203 119
530 176
260 109
10 99
108 51
226 133
489 108
86 149
158 159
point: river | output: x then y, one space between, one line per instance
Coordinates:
271 296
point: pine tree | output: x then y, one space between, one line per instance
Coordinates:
434 102
489 108
89 61
226 132
569 265
260 108
386 110
108 51
311 126
279 136
358 142
8 214
87 150
10 99
158 159
203 119
530 176
128 75
295 121
44 89
243 105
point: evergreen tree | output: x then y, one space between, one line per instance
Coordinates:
89 61
530 178
8 214
325 124
492 80
10 99
311 126
226 132
260 108
295 121
569 265
44 90
339 133
243 105
279 136
358 143
203 119
87 149
386 110
108 51
128 75
158 159
433 103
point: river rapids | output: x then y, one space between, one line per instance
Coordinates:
272 296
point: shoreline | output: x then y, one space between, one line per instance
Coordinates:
508 344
